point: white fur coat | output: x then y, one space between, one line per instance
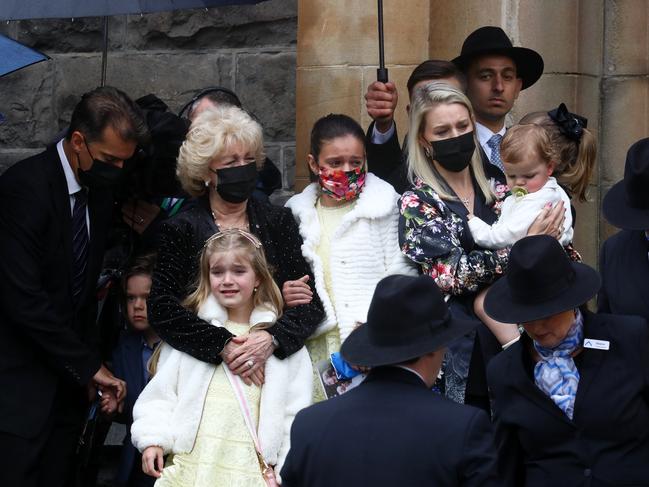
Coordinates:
168 412
364 249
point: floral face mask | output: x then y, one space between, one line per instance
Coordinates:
342 185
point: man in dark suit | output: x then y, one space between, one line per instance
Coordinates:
492 72
55 208
392 429
624 257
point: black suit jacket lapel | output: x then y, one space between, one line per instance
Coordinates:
529 390
61 203
592 359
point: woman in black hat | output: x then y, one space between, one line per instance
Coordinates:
624 258
449 181
571 398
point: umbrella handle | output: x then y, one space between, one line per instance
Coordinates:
382 72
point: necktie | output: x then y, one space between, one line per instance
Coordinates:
494 145
80 243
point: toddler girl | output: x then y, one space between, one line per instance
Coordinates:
219 431
531 156
529 161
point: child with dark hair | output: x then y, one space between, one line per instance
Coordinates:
130 361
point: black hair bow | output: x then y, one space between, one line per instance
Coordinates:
570 124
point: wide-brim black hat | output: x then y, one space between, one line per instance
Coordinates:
626 205
407 318
541 281
493 40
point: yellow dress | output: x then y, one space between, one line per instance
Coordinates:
224 453
322 346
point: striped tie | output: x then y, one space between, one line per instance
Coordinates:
494 145
79 243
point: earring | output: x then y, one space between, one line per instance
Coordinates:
207 184
254 290
427 152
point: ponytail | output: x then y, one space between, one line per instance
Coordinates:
576 175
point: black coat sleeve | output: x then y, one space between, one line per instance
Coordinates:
479 465
174 275
383 159
24 219
603 305
298 323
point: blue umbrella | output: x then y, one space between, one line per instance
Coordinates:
14 55
50 9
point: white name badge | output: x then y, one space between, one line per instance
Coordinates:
596 344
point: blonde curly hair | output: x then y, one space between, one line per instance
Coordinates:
212 134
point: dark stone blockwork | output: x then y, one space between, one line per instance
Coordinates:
251 49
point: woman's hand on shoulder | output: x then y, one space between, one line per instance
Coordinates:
549 221
152 461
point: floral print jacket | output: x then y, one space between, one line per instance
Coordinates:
433 233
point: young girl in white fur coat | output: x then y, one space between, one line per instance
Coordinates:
348 221
190 408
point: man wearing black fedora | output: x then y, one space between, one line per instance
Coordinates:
496 72
571 396
624 262
393 430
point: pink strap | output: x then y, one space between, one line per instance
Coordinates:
237 384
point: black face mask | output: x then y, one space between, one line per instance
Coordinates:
236 184
454 154
101 175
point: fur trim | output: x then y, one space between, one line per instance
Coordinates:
212 312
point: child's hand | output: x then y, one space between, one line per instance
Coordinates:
297 292
152 462
109 404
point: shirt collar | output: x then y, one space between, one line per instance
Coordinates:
71 180
484 133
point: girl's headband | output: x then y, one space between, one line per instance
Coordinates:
235 231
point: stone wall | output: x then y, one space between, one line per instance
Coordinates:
596 56
250 49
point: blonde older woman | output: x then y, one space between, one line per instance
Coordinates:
218 165
449 182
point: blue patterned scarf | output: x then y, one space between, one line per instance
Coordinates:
556 373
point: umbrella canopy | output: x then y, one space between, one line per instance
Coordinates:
50 9
14 55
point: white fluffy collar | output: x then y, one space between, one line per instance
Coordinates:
212 312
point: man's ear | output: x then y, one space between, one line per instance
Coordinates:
313 164
77 141
519 86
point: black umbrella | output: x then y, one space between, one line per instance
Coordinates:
51 9
382 72
54 9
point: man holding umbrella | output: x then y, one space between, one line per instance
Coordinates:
55 208
392 429
495 71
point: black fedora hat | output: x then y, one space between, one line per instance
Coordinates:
408 318
493 40
626 205
541 281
